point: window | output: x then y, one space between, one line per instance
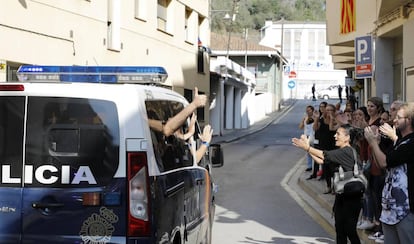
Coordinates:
141 9
11 137
188 25
162 14
114 25
202 30
253 69
321 45
188 94
311 45
287 37
72 135
171 152
297 44
200 60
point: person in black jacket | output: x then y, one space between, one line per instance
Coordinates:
346 208
397 214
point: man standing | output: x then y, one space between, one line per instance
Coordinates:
340 93
397 214
313 92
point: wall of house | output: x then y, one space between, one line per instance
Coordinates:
384 50
408 57
114 32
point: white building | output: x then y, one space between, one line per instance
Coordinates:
165 33
303 44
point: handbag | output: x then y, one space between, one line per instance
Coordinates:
351 182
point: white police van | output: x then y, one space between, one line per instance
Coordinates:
80 164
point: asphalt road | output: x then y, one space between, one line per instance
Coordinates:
255 201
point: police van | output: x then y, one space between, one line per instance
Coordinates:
79 162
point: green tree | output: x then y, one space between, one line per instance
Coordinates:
252 14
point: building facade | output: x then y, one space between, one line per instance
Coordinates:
303 44
245 80
167 33
390 27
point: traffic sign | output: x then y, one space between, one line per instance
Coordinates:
292 74
286 69
291 84
363 57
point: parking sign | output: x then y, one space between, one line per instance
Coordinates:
363 57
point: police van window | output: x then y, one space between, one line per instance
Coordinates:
170 151
71 142
11 140
188 94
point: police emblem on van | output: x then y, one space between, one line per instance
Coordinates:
98 228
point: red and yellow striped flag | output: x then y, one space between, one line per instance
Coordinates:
348 16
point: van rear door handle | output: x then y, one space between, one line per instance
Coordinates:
47 205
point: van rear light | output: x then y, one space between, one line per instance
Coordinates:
14 87
138 220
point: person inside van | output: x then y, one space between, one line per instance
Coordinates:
173 129
170 126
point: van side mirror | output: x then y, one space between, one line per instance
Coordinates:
216 155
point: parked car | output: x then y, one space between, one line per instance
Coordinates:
330 92
83 159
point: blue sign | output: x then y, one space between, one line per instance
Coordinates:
363 57
286 69
291 84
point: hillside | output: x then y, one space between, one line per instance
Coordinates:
252 14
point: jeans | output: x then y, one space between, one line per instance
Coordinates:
400 233
376 184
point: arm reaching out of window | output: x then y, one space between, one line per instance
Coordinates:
206 139
175 122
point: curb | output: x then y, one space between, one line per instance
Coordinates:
327 206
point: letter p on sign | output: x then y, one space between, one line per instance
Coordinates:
362 46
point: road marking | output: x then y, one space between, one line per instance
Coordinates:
293 192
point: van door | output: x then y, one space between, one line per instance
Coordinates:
70 193
178 186
11 161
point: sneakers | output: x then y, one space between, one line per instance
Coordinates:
377 236
380 239
365 225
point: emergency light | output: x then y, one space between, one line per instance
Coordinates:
94 74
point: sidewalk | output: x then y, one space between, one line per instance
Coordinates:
235 134
313 188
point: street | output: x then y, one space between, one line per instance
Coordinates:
255 203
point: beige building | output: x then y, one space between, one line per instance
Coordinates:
390 25
167 33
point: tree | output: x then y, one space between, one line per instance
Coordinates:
252 14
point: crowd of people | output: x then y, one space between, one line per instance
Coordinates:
384 142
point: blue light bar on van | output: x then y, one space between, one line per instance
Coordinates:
94 74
